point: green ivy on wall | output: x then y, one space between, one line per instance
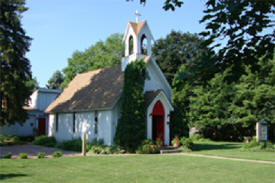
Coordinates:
131 125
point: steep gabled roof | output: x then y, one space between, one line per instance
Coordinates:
99 89
137 26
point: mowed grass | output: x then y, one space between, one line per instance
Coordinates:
230 149
134 169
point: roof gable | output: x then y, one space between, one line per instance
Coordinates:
137 28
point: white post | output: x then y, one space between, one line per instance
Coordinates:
258 127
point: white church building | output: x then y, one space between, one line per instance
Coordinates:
91 102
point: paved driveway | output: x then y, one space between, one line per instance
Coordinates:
32 150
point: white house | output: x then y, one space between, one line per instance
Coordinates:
37 122
91 102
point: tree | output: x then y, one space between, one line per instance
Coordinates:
179 52
32 84
175 49
246 28
131 127
15 67
55 81
229 111
100 55
241 31
168 4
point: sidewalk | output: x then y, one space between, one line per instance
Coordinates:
224 158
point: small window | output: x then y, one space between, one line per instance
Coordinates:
144 45
74 122
56 122
131 45
96 122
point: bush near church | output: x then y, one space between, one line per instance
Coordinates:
44 140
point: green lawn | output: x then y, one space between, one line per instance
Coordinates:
134 168
230 149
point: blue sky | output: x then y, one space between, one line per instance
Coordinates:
59 27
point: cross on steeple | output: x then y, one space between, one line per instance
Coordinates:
137 15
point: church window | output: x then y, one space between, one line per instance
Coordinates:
144 45
96 122
56 122
4 103
74 122
131 45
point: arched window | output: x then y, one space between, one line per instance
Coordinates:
144 45
131 45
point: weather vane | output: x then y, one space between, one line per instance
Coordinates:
137 15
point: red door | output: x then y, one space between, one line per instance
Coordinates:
158 121
41 126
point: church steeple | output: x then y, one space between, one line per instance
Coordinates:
137 39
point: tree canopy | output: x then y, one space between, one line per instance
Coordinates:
246 28
227 111
100 55
175 49
15 67
55 81
240 31
168 4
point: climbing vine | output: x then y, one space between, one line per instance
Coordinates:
131 125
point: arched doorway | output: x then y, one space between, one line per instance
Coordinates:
158 121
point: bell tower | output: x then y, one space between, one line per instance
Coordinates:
137 39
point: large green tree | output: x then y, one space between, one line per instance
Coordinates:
176 53
247 29
131 125
175 49
15 67
229 111
55 81
100 55
241 31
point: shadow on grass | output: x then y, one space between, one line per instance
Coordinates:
205 146
11 175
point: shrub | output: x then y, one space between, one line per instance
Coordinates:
159 143
71 145
186 142
57 154
10 140
26 138
23 156
7 155
255 146
94 142
45 141
15 139
198 138
40 155
101 149
147 147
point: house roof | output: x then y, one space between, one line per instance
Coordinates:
137 26
149 96
46 90
98 89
